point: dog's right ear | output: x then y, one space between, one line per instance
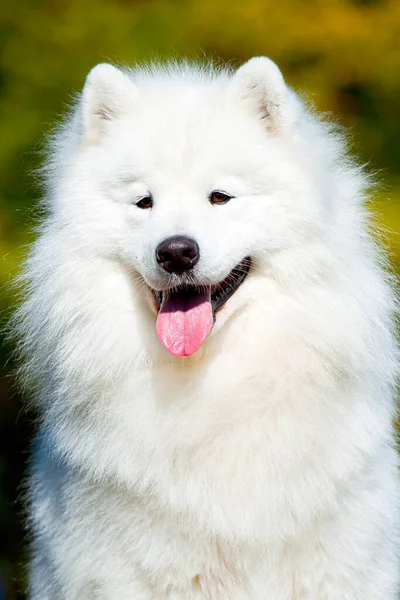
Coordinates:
106 96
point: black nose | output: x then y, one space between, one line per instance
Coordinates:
177 254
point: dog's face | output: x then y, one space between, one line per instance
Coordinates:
193 183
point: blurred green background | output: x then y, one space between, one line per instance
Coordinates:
344 53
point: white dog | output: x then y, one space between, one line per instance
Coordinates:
210 334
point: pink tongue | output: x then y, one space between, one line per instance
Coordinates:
184 323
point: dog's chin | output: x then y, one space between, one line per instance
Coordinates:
220 293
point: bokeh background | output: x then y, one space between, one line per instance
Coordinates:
345 54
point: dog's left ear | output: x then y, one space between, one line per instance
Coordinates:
260 85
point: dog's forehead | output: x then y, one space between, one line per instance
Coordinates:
191 133
178 111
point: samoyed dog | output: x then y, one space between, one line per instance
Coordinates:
209 331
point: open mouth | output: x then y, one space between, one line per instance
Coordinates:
186 313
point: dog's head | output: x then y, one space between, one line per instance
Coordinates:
195 180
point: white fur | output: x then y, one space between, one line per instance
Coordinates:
263 467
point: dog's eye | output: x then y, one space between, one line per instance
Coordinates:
217 197
146 202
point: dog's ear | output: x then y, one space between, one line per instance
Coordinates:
260 85
106 96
